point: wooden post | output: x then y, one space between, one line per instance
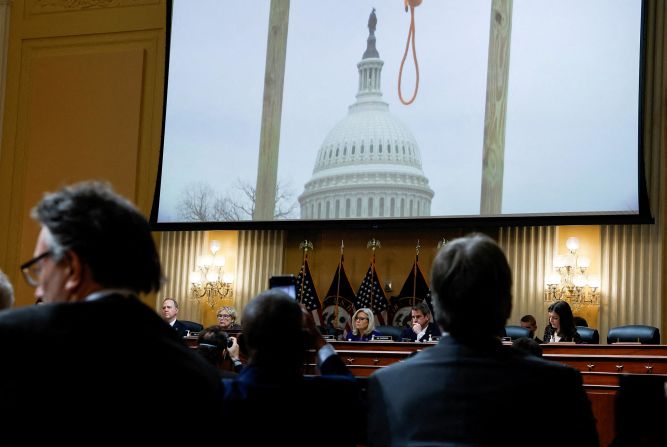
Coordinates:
269 139
497 80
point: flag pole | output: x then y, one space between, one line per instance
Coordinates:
414 275
340 265
373 244
305 245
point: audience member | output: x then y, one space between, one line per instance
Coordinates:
580 321
6 292
364 326
530 323
169 314
561 326
640 411
227 319
422 329
528 345
461 391
272 392
93 363
213 344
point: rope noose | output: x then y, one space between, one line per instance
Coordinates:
411 38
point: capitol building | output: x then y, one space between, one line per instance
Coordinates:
369 164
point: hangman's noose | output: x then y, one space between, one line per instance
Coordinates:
411 38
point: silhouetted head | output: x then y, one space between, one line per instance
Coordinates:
273 331
471 281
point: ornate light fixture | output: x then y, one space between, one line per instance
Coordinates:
569 282
210 283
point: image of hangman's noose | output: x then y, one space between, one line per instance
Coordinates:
411 5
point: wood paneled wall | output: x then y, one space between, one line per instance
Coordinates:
84 92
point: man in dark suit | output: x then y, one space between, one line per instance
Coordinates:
422 329
469 389
93 364
169 314
272 392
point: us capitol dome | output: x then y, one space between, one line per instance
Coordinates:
369 164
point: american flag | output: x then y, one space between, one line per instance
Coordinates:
414 290
371 295
306 293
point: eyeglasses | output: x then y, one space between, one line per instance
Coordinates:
32 269
360 318
225 316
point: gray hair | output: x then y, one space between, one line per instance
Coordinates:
6 292
106 231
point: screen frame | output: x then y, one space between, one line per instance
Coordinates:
643 216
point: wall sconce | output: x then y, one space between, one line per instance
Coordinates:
210 283
569 281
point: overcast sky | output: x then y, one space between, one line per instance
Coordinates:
571 133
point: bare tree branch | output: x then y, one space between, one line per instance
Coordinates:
200 203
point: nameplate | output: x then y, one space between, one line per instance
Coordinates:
329 337
382 338
434 339
626 343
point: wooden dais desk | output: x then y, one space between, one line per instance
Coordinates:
601 366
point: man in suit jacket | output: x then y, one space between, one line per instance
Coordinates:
469 389
169 314
273 394
422 329
93 364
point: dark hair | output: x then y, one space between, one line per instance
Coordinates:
580 321
273 331
212 342
529 319
106 231
471 281
564 312
422 306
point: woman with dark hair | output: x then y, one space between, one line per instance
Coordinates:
561 326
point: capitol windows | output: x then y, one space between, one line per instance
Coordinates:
327 210
312 210
418 207
381 205
359 207
353 149
362 148
370 207
345 150
337 149
392 205
380 149
402 207
319 210
409 208
371 149
348 203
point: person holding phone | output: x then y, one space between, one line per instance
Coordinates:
364 325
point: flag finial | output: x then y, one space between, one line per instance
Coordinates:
442 242
306 245
373 244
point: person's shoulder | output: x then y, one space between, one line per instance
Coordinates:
22 316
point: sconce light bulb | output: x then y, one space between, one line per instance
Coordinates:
195 277
572 244
215 247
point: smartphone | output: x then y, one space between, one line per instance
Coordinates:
286 283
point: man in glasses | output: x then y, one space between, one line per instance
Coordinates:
93 358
